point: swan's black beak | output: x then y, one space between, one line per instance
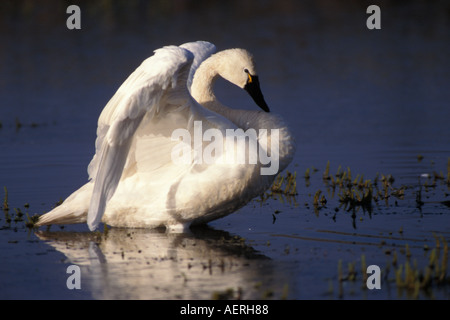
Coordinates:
253 89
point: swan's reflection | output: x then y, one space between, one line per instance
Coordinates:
152 264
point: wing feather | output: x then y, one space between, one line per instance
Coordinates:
145 92
201 50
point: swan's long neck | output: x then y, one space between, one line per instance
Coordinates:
202 91
203 83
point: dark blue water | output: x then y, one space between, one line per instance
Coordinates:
368 100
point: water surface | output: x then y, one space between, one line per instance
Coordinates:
374 101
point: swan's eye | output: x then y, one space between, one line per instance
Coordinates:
249 76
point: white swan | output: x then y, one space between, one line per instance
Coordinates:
134 178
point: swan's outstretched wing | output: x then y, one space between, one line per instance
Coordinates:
159 81
201 50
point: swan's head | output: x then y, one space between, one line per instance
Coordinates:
237 66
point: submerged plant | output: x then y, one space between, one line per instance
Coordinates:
408 276
31 221
286 185
448 172
413 279
5 200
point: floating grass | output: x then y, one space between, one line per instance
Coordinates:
364 268
226 294
354 191
18 215
285 185
326 174
5 200
316 198
408 276
448 172
307 174
31 221
357 192
5 207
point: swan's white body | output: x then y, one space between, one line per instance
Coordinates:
134 181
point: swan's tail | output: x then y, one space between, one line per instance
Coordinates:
61 215
73 210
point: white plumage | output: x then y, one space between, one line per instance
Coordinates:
134 180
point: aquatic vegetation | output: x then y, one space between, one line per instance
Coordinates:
18 124
408 276
18 215
31 221
326 174
5 207
319 201
226 294
283 189
416 275
448 172
307 174
343 190
286 185
413 270
5 200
